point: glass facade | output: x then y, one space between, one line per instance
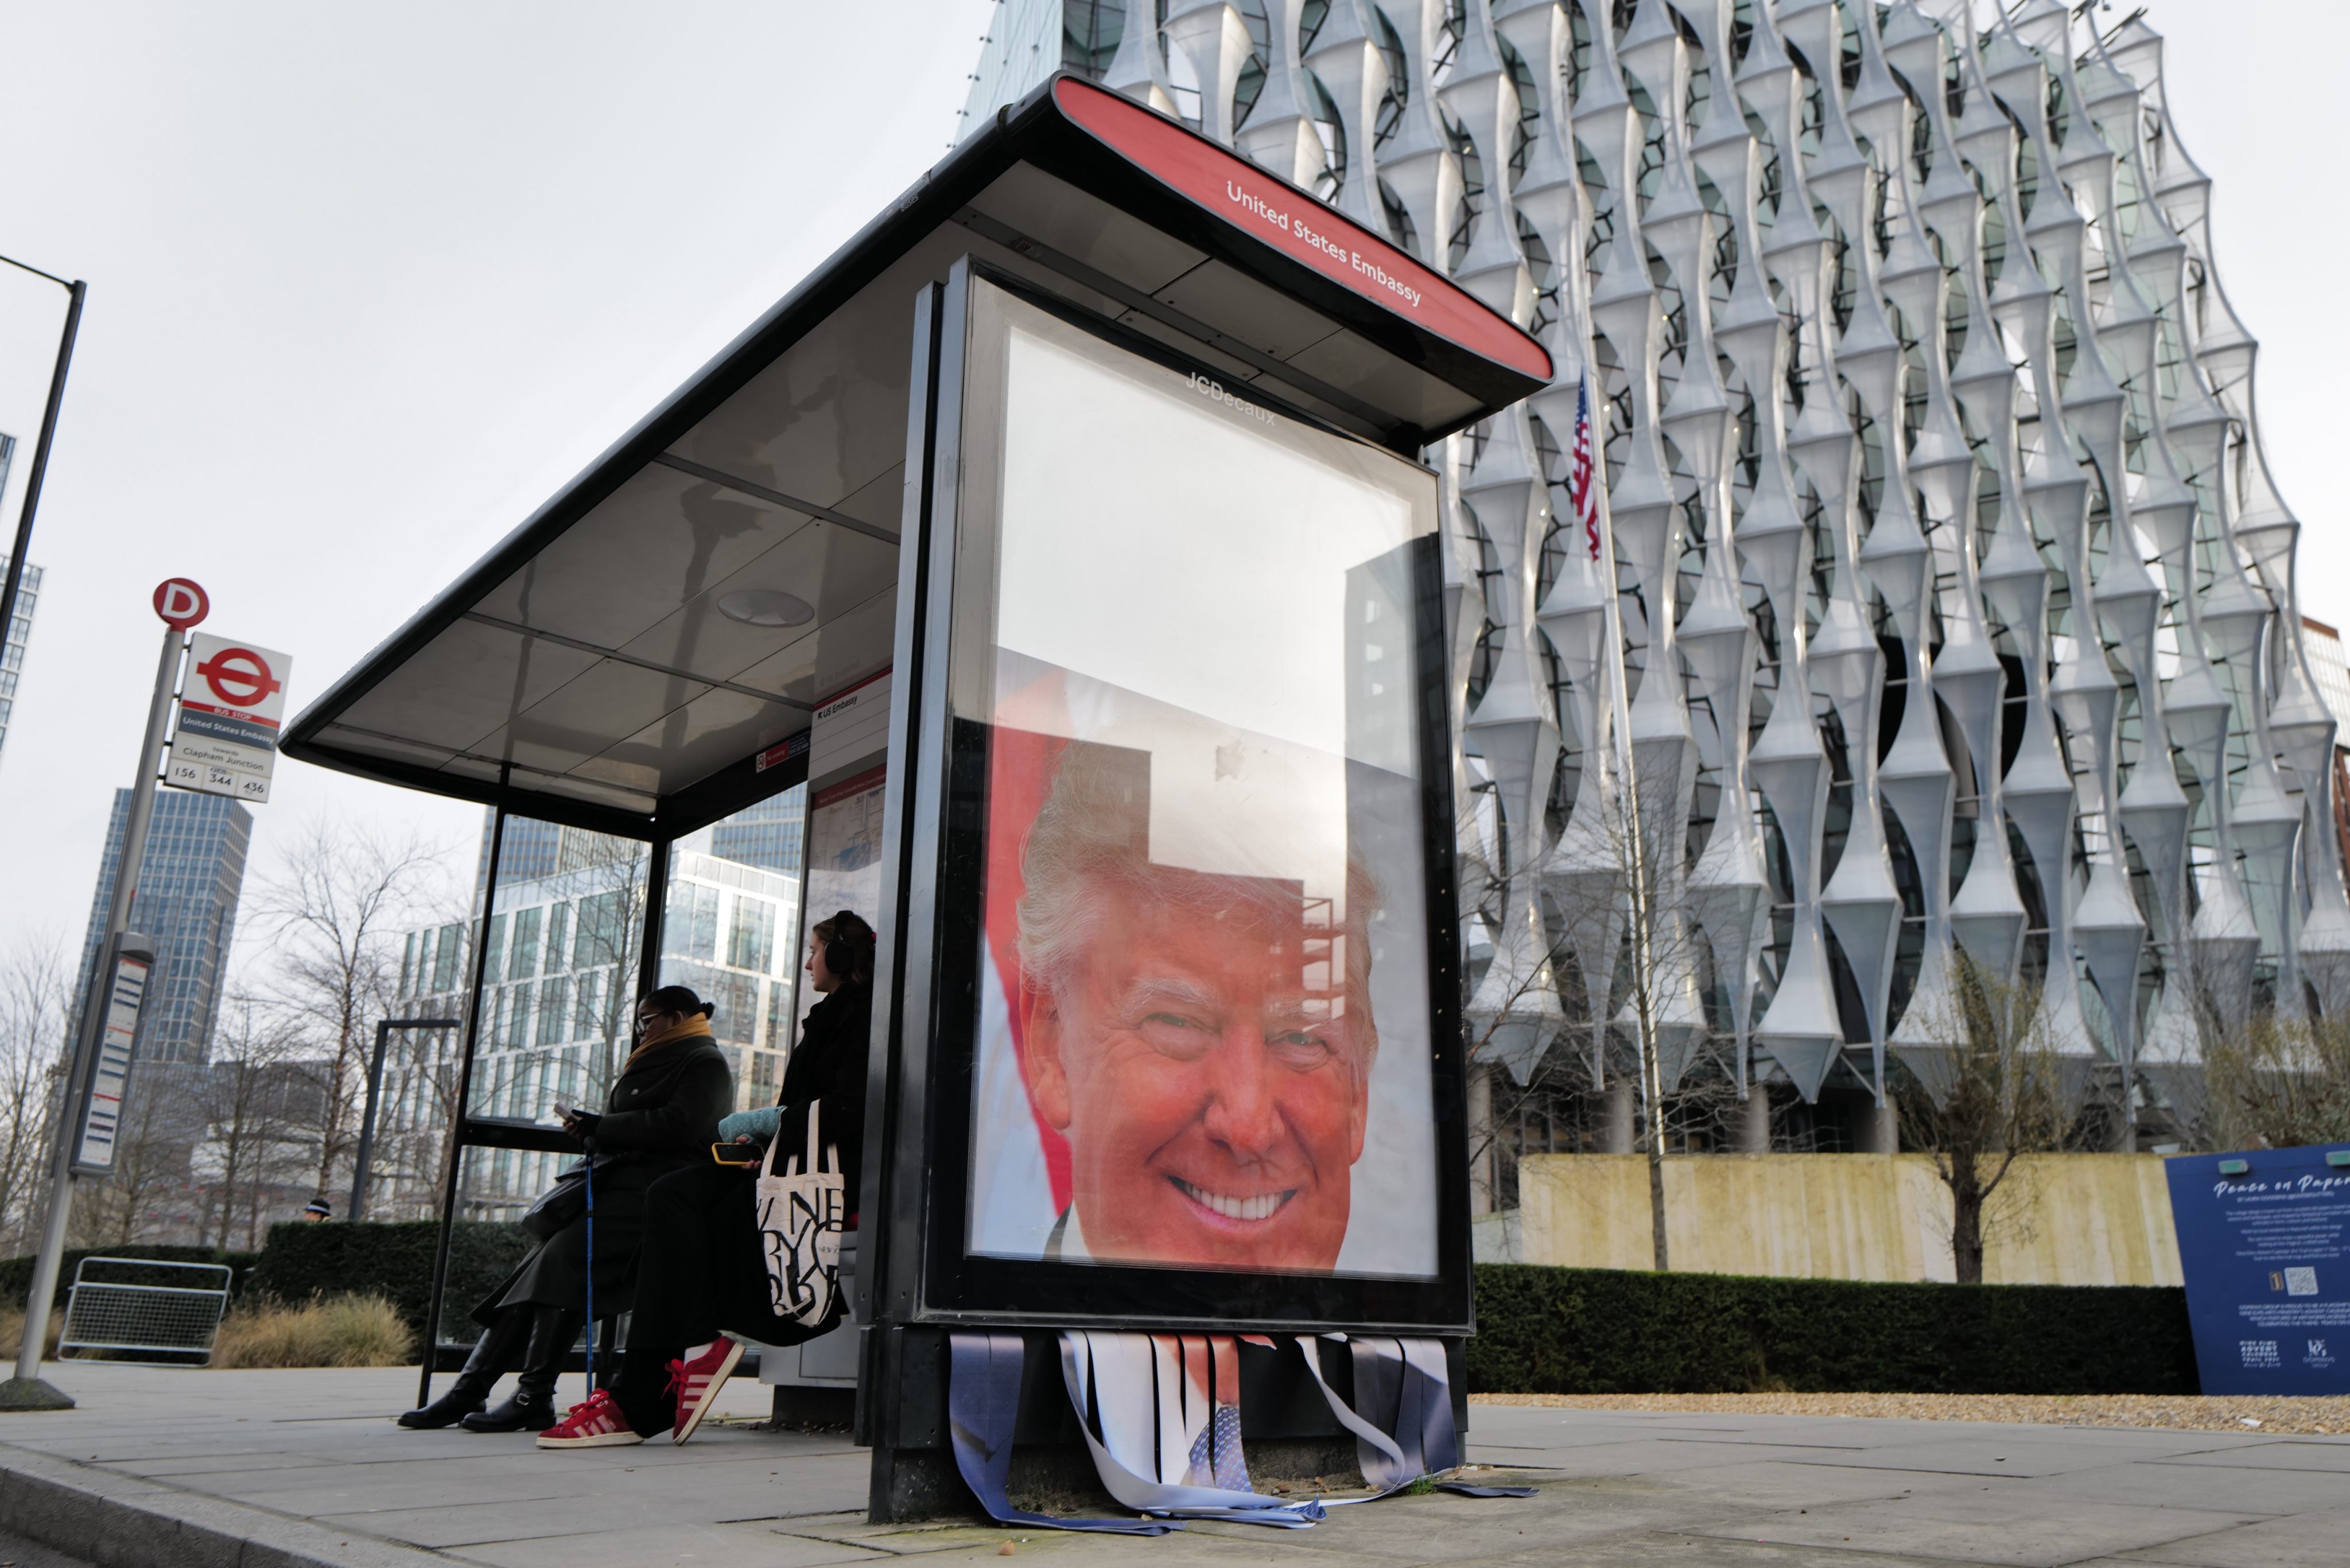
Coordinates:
20 628
186 899
1979 645
730 929
563 933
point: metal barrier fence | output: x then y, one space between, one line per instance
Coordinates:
114 1314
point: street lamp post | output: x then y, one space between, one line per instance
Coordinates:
361 1166
76 291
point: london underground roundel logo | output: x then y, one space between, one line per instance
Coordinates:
239 677
181 603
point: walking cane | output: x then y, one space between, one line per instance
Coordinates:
588 1144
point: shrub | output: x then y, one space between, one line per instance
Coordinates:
332 1331
1604 1331
392 1260
12 1331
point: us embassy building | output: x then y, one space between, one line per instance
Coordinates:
1957 606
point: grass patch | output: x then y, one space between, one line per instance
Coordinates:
11 1330
325 1331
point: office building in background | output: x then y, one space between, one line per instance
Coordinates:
185 899
20 625
1900 322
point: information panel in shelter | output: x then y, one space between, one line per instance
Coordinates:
2264 1246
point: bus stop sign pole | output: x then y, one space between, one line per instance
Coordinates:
181 604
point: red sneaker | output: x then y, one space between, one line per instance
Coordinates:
697 1380
595 1424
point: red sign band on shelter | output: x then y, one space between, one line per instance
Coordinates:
1297 224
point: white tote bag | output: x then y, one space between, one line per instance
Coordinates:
800 1216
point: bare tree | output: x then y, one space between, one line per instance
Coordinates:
148 1160
37 993
2280 1083
333 912
1995 1090
253 1097
1603 946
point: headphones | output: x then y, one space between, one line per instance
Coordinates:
851 937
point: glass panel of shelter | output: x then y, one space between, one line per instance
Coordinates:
565 929
562 953
731 921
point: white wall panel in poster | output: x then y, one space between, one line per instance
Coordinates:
230 711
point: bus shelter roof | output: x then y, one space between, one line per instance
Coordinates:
584 670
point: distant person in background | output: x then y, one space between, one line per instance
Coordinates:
317 1208
704 1275
662 1117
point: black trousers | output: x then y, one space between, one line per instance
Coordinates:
700 1274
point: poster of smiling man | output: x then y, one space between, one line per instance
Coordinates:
1204 1027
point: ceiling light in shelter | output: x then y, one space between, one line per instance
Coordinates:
767 607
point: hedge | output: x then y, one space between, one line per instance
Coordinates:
1539 1330
393 1261
16 1274
1545 1330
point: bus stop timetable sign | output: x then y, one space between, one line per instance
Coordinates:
96 1139
2264 1246
230 711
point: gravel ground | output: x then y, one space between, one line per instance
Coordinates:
2178 1412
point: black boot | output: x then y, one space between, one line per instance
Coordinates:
499 1347
553 1331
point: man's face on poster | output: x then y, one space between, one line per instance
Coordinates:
1214 1108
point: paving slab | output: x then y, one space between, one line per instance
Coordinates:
1997 1524
306 1469
2319 1539
2280 1453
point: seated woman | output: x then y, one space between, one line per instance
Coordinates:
660 1118
703 1269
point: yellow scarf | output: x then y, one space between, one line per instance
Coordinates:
695 1027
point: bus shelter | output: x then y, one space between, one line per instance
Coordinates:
1064 540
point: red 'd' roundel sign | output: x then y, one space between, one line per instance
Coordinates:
181 603
239 677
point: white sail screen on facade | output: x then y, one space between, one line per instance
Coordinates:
1187 620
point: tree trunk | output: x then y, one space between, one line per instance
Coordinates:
1656 1203
1484 1138
1965 1219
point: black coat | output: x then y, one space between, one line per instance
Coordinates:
828 1065
662 1116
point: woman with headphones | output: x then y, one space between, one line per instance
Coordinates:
702 1275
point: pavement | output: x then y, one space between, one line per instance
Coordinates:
292 1469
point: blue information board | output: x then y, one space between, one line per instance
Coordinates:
2264 1241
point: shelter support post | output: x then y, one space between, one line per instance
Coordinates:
453 1171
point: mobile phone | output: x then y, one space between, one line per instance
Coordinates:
738 1153
563 1113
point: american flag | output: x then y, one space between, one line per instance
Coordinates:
1581 484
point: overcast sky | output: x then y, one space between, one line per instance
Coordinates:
368 282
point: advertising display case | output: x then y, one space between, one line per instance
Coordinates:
1194 1043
